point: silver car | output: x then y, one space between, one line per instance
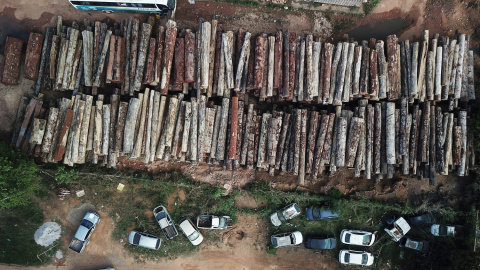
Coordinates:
358 238
288 212
144 240
189 230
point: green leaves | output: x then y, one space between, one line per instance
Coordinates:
18 178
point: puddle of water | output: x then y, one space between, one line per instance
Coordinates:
378 31
11 27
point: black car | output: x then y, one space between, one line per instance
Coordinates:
418 245
320 242
318 214
422 220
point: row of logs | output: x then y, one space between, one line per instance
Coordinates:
374 138
282 67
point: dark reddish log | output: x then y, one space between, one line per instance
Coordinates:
53 56
149 69
179 60
277 80
232 150
170 37
13 54
62 139
260 59
251 67
286 65
312 135
364 72
119 62
189 49
26 120
32 58
293 50
159 57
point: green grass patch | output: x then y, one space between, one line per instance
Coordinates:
17 245
370 5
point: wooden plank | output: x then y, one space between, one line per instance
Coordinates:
12 53
142 55
32 57
170 37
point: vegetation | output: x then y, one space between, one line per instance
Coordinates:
18 178
370 5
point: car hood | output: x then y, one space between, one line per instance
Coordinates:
298 238
275 219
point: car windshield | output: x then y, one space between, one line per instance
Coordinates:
193 236
136 239
347 238
367 239
442 230
364 259
87 224
347 257
161 215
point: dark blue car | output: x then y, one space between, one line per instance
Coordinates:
320 242
318 214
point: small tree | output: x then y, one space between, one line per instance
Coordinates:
18 177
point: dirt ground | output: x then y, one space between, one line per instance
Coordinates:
17 17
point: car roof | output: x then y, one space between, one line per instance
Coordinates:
187 227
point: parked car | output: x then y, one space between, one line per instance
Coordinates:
355 237
165 221
355 257
398 229
286 239
84 232
144 240
320 242
288 212
318 214
422 220
213 222
418 245
447 230
189 230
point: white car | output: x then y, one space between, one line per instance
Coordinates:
358 238
145 240
288 212
355 257
190 232
286 239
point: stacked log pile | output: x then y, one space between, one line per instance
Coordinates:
280 103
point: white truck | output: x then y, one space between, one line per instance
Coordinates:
165 222
399 229
213 222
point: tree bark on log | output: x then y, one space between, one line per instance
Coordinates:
63 134
179 58
222 132
142 55
98 131
262 142
357 71
232 149
278 73
82 148
96 82
378 136
149 77
364 71
62 55
286 123
303 146
72 47
106 129
311 139
159 55
202 102
271 65
87 58
227 40
347 88
260 59
341 142
393 83
390 133
130 122
241 61
32 57
462 118
170 37
353 140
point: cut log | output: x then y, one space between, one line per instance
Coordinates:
62 55
392 43
378 136
38 130
357 70
241 61
462 119
374 79
194 131
248 127
232 149
341 142
170 38
179 60
101 62
186 127
98 131
49 130
320 142
82 148
364 72
32 57
340 80
277 80
460 67
273 133
62 136
311 140
211 66
347 88
353 141
75 66
260 59
137 149
303 147
205 55
44 65
286 65
130 122
390 133
146 147
150 66
222 132
309 85
209 125
262 143
448 144
286 123
87 57
12 53
178 137
370 128
202 103
292 65
300 76
227 41
424 134
106 129
142 55
72 47
216 128
413 72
